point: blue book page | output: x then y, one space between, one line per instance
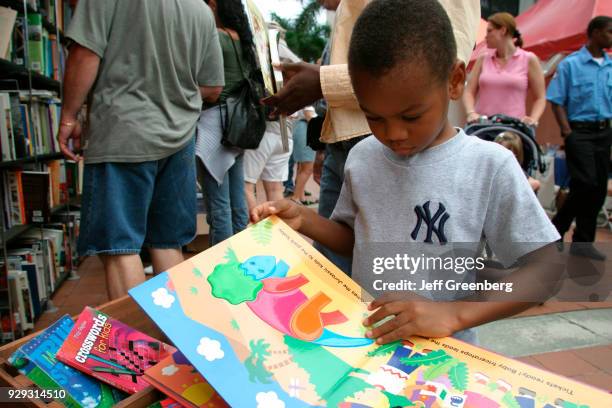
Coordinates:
85 390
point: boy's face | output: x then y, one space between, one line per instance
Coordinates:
407 107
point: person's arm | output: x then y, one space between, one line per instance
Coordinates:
538 88
470 91
334 235
562 120
211 93
81 72
302 88
532 284
557 95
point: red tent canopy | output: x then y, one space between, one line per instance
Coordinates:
553 26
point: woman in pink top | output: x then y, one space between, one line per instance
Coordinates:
503 75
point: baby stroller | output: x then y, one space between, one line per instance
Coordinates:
496 124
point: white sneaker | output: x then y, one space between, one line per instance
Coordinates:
148 270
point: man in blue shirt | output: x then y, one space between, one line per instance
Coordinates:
581 97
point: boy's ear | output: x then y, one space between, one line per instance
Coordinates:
457 80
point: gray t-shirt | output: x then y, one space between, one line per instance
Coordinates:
154 56
467 188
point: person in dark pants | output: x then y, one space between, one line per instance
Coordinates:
581 97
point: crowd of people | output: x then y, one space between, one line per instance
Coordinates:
154 75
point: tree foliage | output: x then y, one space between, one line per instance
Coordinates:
304 35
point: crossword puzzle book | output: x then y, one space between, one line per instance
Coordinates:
111 351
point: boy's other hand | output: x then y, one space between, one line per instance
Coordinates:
302 88
411 318
287 210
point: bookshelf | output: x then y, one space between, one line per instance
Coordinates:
39 236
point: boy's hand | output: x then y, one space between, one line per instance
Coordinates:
289 211
411 318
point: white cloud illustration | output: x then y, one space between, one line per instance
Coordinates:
169 370
89 402
210 349
269 400
162 298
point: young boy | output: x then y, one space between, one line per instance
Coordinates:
403 66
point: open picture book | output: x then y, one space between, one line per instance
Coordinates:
269 322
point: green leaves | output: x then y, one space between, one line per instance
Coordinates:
385 349
262 232
509 401
434 357
230 256
439 370
459 376
304 35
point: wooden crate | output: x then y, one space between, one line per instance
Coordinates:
125 310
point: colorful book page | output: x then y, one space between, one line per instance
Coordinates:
176 377
269 322
111 351
37 360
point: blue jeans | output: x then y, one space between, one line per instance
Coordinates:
289 183
126 206
226 208
332 177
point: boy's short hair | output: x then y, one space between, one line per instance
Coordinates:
390 32
598 23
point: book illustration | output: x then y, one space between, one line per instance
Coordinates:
259 28
37 361
269 322
111 351
176 377
262 282
166 403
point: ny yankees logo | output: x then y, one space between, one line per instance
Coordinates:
424 215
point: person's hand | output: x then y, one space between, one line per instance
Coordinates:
411 318
473 117
302 88
287 210
317 168
529 121
565 132
70 128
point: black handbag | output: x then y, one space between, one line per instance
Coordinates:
243 119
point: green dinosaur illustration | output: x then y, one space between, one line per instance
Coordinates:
262 232
197 273
229 282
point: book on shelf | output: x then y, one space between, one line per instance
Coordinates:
111 351
36 52
21 298
28 125
7 23
37 360
287 331
14 200
37 197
